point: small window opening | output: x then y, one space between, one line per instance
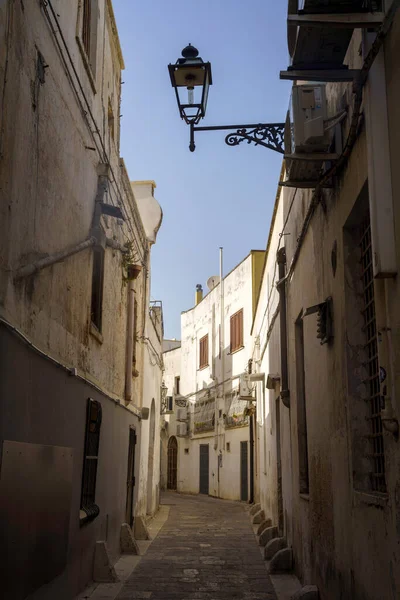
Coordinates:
177 386
186 450
97 287
203 352
237 331
228 446
86 25
111 121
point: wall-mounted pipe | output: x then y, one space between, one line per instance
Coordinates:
133 273
281 285
51 260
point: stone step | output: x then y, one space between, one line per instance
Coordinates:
273 546
268 534
258 517
263 525
255 508
282 561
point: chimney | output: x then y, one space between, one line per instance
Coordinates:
199 294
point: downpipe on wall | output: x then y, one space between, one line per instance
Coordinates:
133 274
281 285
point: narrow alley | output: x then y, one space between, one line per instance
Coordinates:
199 321
206 550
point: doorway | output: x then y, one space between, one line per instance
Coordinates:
204 469
244 472
172 476
130 480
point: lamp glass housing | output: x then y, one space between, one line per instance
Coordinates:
191 78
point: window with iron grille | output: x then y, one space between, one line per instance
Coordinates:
89 509
237 331
203 352
372 361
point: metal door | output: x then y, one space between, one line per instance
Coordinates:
130 480
244 476
172 463
204 468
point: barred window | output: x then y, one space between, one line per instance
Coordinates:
89 509
372 361
203 352
237 331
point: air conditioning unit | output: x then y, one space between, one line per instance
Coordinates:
307 115
305 131
245 387
182 414
181 429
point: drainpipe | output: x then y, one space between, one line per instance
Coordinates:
281 285
33 268
133 272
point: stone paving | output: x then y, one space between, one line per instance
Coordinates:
205 551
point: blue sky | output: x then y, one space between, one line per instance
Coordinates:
216 196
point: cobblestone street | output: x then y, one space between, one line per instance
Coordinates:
206 550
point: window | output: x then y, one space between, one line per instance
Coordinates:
203 352
237 331
89 509
97 287
86 35
302 437
362 352
86 24
372 360
177 386
110 121
228 446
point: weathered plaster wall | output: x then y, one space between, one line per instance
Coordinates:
56 127
344 535
51 207
149 478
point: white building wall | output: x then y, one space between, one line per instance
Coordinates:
204 319
272 417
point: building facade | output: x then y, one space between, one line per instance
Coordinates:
209 428
75 248
326 330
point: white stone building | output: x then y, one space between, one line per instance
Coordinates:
209 424
75 243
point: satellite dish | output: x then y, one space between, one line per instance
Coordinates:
213 281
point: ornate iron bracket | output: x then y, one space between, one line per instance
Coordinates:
269 135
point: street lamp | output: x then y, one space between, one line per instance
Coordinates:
191 72
194 75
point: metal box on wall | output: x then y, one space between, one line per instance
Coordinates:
35 506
